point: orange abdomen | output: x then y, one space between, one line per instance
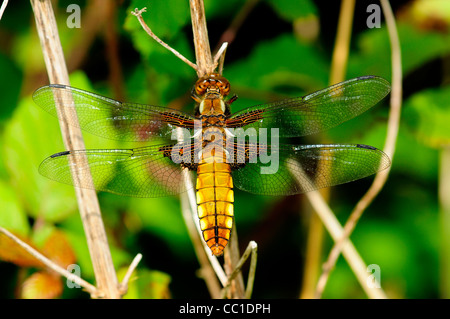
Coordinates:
215 202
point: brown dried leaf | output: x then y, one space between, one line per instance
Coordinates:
42 285
10 251
59 250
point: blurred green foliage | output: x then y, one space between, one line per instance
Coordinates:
266 61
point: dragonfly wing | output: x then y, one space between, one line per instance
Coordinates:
315 112
109 118
140 172
303 168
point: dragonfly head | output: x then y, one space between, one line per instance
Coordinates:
212 84
209 91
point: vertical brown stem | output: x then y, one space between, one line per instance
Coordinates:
205 66
444 207
105 275
337 74
232 256
201 42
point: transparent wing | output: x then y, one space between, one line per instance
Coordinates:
315 112
303 168
140 172
111 119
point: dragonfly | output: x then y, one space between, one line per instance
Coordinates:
215 143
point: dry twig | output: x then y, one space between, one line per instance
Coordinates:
138 14
389 148
50 264
337 74
107 284
205 64
3 7
124 284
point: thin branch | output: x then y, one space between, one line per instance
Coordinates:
232 258
209 267
3 7
112 50
230 33
204 65
203 54
389 147
138 14
337 74
313 254
97 241
444 218
93 19
50 264
349 251
342 46
124 284
219 58
335 230
252 249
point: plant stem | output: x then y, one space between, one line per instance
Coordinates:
337 74
389 147
105 275
50 264
444 207
201 41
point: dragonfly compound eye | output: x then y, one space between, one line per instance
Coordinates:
224 86
201 86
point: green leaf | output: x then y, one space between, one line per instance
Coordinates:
164 18
147 284
31 136
374 55
428 114
162 216
219 9
426 12
12 216
11 86
425 159
292 10
278 66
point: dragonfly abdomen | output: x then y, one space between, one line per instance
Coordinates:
215 202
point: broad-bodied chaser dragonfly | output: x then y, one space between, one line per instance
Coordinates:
217 147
